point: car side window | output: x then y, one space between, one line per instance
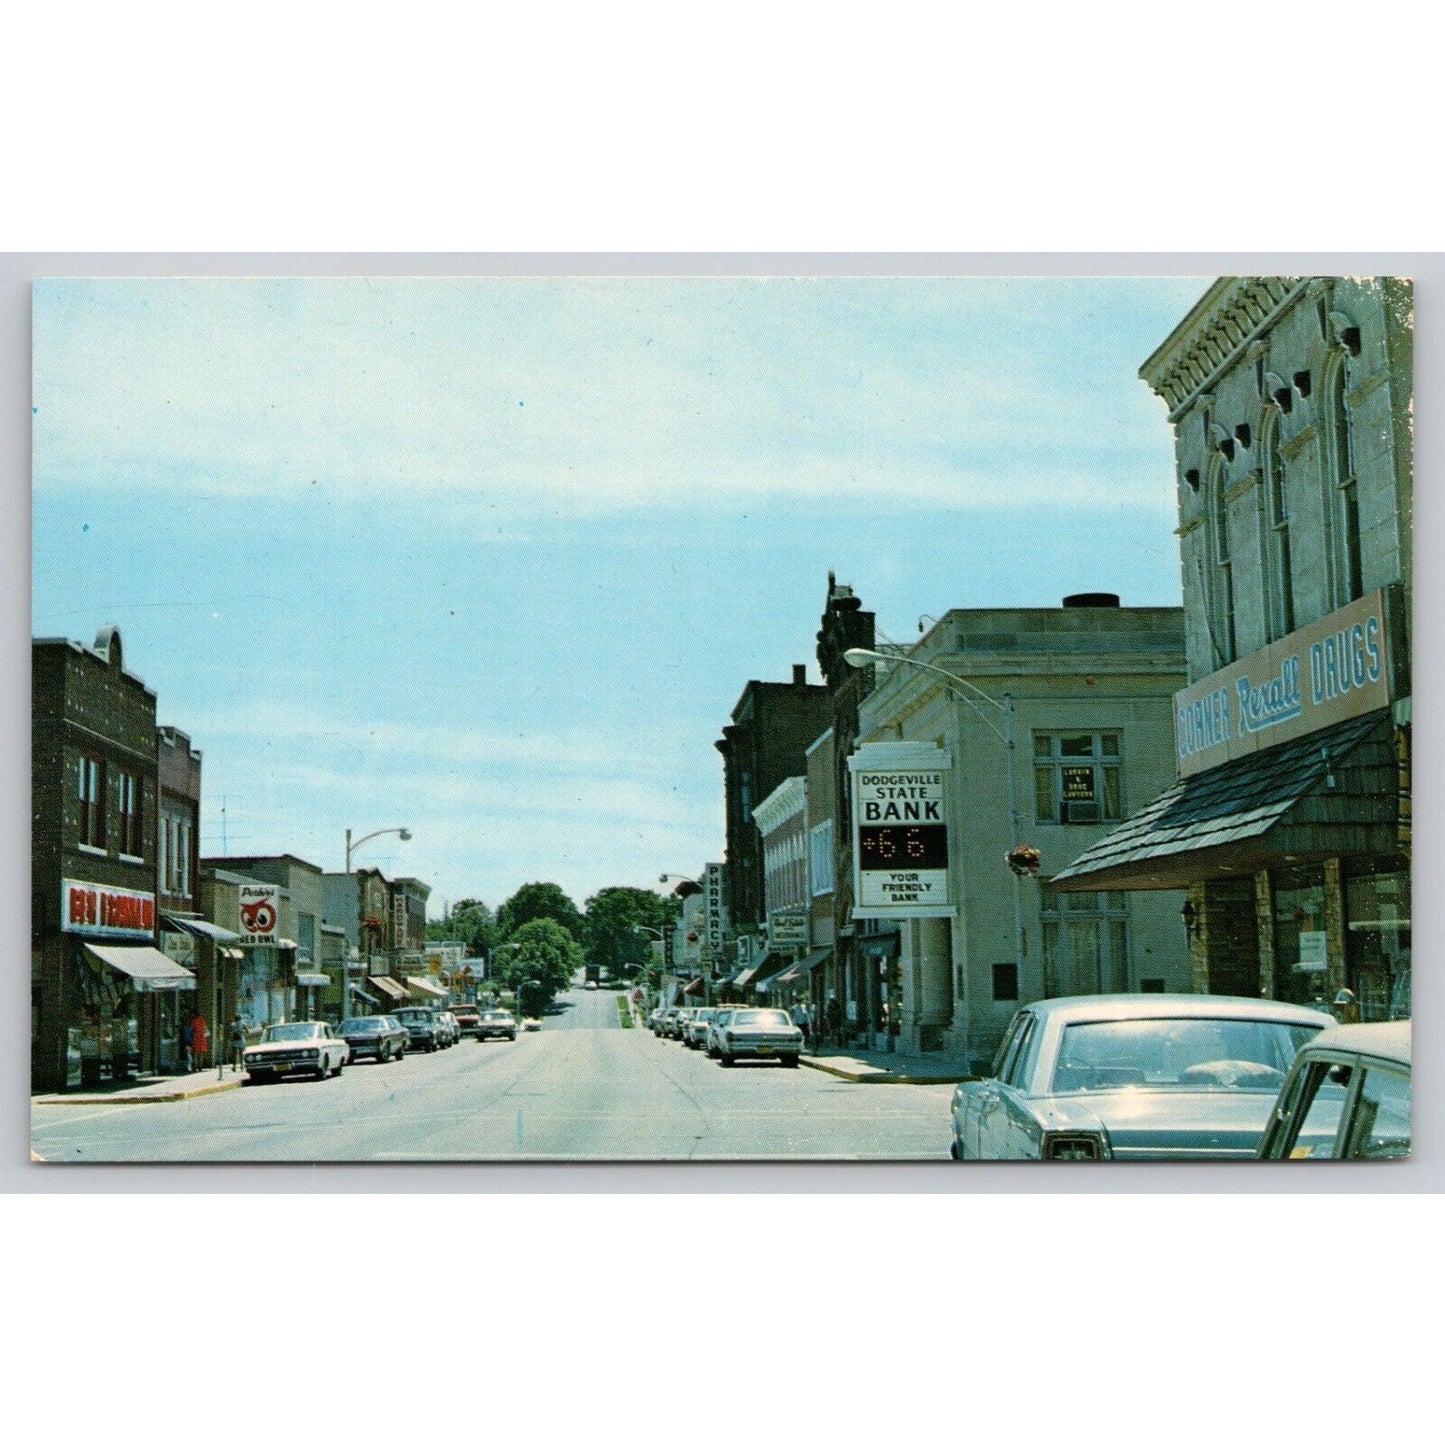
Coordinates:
1380 1128
1021 1069
1317 1111
1009 1051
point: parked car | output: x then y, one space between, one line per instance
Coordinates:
759 1033
720 1015
591 983
468 1016
497 1023
531 1026
451 1029
1132 1076
667 1028
423 1030
374 1036
297 1048
1347 1096
654 1021
677 1025
696 1035
405 1032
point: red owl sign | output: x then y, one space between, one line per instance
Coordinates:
260 912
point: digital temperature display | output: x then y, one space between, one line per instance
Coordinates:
903 846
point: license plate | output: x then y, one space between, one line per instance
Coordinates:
765 1048
280 1068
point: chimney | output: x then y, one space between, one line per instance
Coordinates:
1092 599
800 674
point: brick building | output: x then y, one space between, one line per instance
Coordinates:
772 727
102 995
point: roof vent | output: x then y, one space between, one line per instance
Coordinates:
1092 599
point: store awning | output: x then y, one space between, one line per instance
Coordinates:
389 986
803 965
764 974
313 980
363 995
286 943
236 953
150 970
198 928
1318 796
743 979
694 987
426 988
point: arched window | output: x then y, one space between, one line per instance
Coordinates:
1277 540
1219 583
1344 497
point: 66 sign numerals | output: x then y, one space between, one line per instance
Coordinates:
905 846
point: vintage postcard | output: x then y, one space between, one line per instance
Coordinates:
621 718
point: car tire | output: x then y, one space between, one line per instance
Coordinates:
726 1060
790 1061
953 1149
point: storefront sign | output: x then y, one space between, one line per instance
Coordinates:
1312 957
259 913
96 908
1337 668
900 831
788 929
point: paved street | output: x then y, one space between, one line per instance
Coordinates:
581 1089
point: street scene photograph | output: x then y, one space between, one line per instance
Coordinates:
701 718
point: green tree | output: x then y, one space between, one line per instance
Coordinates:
542 954
538 900
471 922
619 929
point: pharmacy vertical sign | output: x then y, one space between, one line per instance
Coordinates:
900 831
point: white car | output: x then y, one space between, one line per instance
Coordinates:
758 1033
298 1048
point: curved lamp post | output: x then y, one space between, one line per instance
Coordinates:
405 835
972 695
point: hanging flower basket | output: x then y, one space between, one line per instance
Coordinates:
372 925
1022 859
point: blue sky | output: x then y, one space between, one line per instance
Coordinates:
493 558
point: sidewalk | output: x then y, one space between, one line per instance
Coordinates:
862 1066
149 1089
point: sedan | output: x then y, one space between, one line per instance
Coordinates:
759 1033
374 1036
1132 1076
497 1023
451 1029
696 1035
1347 1097
423 1031
299 1048
468 1016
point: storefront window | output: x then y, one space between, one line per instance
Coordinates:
1299 937
1377 939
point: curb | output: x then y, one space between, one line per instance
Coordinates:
879 1076
74 1101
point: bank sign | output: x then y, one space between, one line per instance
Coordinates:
1337 668
900 831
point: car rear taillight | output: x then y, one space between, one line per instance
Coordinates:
1073 1146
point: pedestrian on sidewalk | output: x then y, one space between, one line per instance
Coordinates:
186 1045
800 1019
200 1041
833 1019
238 1041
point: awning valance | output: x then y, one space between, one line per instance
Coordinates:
313 980
236 953
694 987
803 965
1283 804
426 988
363 995
742 979
389 986
198 928
149 970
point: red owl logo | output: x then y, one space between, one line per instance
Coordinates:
258 917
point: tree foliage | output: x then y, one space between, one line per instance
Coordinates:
615 928
471 922
540 953
538 900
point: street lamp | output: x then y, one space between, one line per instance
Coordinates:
661 938
686 886
972 695
405 835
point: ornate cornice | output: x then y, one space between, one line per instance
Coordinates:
1229 318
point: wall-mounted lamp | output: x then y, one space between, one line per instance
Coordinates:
1189 917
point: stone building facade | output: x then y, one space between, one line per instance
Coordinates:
1059 725
1289 818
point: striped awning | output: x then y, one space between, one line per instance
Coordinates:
389 986
149 970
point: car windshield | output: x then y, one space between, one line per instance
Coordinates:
363 1026
1178 1053
413 1016
497 1014
287 1033
767 1018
